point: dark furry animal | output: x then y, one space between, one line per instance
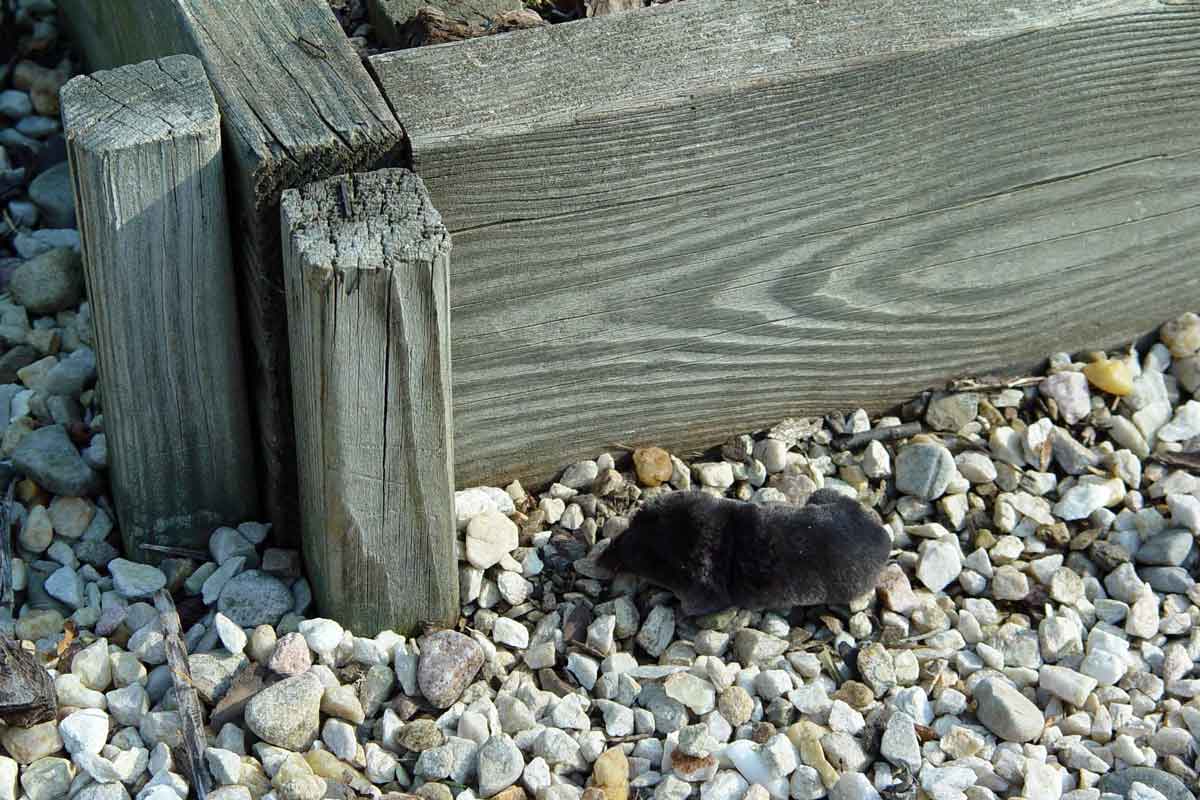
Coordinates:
715 553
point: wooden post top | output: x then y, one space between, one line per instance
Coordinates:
120 108
361 222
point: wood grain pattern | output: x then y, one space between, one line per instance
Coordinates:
144 143
297 105
714 215
191 717
366 262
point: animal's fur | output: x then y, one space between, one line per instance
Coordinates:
715 553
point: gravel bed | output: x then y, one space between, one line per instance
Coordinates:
1033 635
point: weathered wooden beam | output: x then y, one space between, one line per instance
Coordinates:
366 262
144 142
296 105
191 716
734 212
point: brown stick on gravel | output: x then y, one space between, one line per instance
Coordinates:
6 575
854 441
191 717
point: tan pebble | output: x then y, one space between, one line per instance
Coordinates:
511 793
1110 376
1182 335
611 768
327 765
653 465
294 766
805 736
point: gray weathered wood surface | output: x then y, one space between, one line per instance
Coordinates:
144 142
366 262
699 218
297 105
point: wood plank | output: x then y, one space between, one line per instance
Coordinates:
144 142
366 261
732 213
297 105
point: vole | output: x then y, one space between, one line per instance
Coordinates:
714 553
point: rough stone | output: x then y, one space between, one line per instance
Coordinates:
287 714
449 661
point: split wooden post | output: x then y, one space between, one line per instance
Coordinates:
144 142
297 105
366 272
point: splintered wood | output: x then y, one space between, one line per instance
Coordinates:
27 694
366 265
191 716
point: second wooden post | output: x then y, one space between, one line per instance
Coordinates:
366 267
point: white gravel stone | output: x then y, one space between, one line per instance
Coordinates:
876 461
853 786
323 636
941 563
1066 683
231 635
84 730
714 474
510 633
490 537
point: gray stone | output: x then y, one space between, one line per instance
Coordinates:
1006 712
754 647
255 598
657 630
212 673
110 791
899 744
49 458
227 543
38 127
47 779
49 283
1168 549
500 765
580 475
1167 580
287 714
132 580
951 411
65 585
853 786
924 470
15 104
449 662
71 375
1121 781
52 193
